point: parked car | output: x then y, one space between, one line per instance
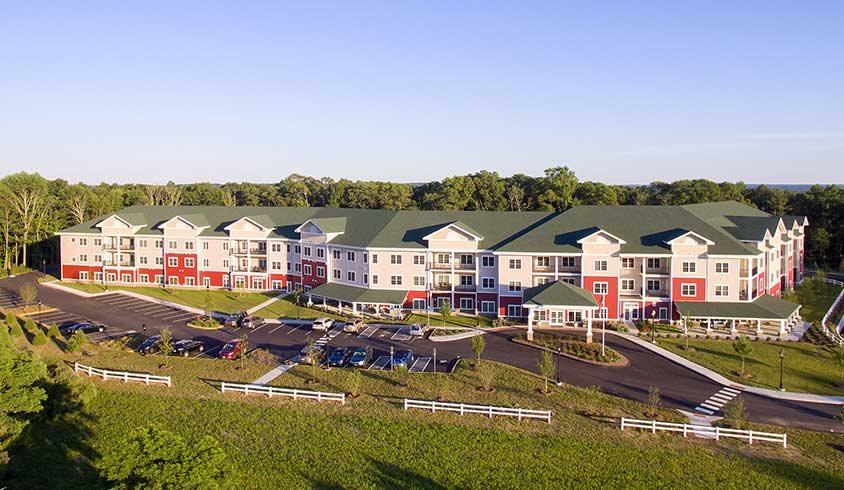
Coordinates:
353 325
361 356
150 345
322 324
185 347
232 350
402 358
85 327
418 329
252 322
339 357
306 355
235 319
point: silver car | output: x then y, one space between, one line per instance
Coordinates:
322 324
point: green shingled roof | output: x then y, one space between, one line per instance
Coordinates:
765 307
352 294
559 293
644 228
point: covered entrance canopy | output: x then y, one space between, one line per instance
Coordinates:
765 308
550 302
358 298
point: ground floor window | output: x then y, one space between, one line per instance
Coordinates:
276 285
111 276
173 280
467 304
602 313
441 301
488 306
288 288
190 281
541 315
98 276
159 279
83 275
127 277
663 313
257 283
557 317
226 281
307 288
419 304
144 278
239 282
575 316
514 310
206 281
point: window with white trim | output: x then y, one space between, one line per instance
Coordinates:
308 269
539 281
418 260
190 281
83 257
320 253
320 271
307 251
487 261
487 306
173 244
275 265
337 274
653 285
689 267
568 262
335 254
628 262
395 280
205 245
366 278
688 289
418 280
514 310
467 280
467 304
601 265
722 290
514 286
172 262
628 285
374 278
189 261
83 275
395 259
374 259
159 261
275 247
351 276
188 245
543 261
722 267
350 256
206 263
600 287
488 282
515 264
654 263
297 249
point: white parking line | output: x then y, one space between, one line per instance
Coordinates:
118 301
209 351
152 307
381 363
162 314
401 334
276 328
420 364
297 327
368 332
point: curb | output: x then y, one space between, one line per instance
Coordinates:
623 363
720 379
471 332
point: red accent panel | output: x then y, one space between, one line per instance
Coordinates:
216 278
312 279
677 288
181 270
505 301
775 290
72 271
610 299
411 295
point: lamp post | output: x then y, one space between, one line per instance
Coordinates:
39 315
653 325
603 327
559 354
105 276
782 357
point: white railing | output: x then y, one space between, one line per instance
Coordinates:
716 433
836 333
271 391
146 378
487 410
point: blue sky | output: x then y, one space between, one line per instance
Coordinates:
413 91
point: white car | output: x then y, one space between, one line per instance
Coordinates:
353 325
322 324
418 329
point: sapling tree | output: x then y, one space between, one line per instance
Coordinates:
28 293
445 311
478 344
735 414
653 400
546 367
743 348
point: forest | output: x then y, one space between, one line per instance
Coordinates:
32 207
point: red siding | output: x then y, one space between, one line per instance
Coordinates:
312 279
411 295
181 270
677 288
216 278
72 271
611 298
505 301
775 290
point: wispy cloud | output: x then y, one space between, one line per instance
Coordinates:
798 135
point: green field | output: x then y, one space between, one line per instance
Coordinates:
816 298
807 368
372 443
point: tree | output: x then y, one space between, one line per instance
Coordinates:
486 375
165 342
40 338
244 342
21 395
734 413
28 293
15 329
316 360
355 383
53 331
153 457
402 374
558 189
77 341
819 240
743 348
11 319
28 198
478 344
838 359
445 310
297 297
546 367
653 400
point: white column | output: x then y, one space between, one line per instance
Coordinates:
733 328
758 327
588 329
782 328
530 324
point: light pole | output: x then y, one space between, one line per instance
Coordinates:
603 327
41 324
782 357
653 325
559 353
105 279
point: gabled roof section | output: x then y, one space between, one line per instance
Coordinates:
559 293
684 233
265 225
195 221
459 226
792 221
99 223
764 307
326 225
599 231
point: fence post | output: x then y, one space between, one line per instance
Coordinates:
750 437
717 433
319 396
489 409
434 406
785 440
295 393
520 413
653 424
549 416
105 374
245 389
461 409
342 399
622 423
684 431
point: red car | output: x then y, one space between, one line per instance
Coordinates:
232 350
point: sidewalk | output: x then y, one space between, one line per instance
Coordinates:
780 395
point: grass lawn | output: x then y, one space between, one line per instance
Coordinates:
454 320
816 298
284 308
372 443
808 368
221 301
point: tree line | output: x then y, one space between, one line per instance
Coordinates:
32 208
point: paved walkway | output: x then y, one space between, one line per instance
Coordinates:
273 374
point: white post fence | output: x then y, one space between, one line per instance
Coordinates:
835 334
105 374
271 391
463 408
717 433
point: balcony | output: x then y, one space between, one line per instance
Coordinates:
465 287
258 268
658 293
443 286
657 271
743 295
122 245
456 264
114 263
542 268
258 251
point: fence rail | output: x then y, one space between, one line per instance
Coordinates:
126 376
271 391
488 410
836 333
717 433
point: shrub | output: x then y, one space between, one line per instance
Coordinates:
77 341
53 331
653 400
40 338
30 325
402 375
591 352
486 375
478 343
16 329
735 414
11 319
355 383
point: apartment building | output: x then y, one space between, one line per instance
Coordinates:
633 261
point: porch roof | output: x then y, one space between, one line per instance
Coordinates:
765 307
558 293
352 294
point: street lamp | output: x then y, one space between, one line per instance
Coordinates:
653 324
39 315
603 327
559 354
782 357
105 278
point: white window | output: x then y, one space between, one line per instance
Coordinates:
308 269
418 260
539 281
98 276
628 285
83 275
653 285
173 280
172 261
288 251
600 288
320 253
297 267
83 257
487 261
467 280
514 310
395 280
601 265
206 263
350 256
159 279
575 316
467 259
350 276
722 267
225 263
374 277
173 244
488 282
514 286
687 289
159 261
467 304
320 271
418 280
190 281
275 265
722 290
141 260
188 245
98 259
366 278
307 251
419 304
487 306
374 258
395 259
337 274
83 241
160 244
568 262
275 247
628 262
515 264
189 262
689 267
654 263
543 261
297 249
276 285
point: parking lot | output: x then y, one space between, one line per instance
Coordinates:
162 313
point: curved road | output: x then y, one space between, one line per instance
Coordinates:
679 387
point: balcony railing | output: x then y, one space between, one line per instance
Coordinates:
658 293
743 296
465 287
258 251
443 286
114 263
543 268
456 264
658 270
